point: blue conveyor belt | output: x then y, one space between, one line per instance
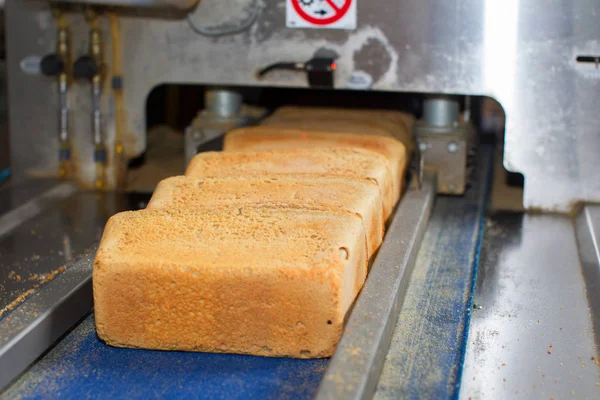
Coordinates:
4 174
81 366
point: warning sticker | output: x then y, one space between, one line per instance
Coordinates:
328 14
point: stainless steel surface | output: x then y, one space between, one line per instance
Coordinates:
587 229
440 111
4 139
206 130
28 331
15 193
97 134
223 103
15 217
39 248
354 369
183 4
63 128
45 267
531 333
521 53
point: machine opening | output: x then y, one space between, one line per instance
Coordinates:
183 120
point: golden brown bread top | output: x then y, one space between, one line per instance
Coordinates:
395 123
349 162
331 125
306 190
273 137
323 192
261 240
276 138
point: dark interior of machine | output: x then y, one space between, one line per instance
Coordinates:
176 106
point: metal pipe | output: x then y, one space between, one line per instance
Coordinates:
63 50
181 4
440 111
97 54
223 102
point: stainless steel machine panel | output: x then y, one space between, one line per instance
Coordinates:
521 53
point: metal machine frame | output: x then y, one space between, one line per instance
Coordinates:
443 259
523 54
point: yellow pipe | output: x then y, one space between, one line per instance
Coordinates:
117 73
97 84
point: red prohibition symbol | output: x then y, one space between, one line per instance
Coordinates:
338 12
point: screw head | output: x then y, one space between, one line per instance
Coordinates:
197 134
423 146
452 147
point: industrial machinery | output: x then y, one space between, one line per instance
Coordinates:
467 297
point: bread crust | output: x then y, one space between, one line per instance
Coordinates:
395 123
348 162
251 280
276 138
321 192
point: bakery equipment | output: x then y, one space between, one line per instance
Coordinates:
530 321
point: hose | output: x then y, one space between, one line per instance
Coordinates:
117 86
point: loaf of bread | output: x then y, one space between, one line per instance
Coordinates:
275 138
395 123
329 125
252 280
320 192
355 163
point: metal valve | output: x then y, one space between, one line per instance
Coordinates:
52 65
85 68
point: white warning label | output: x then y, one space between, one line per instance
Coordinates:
327 14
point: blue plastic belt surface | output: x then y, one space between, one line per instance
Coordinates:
82 367
4 174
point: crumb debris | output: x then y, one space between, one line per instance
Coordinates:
42 279
16 302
